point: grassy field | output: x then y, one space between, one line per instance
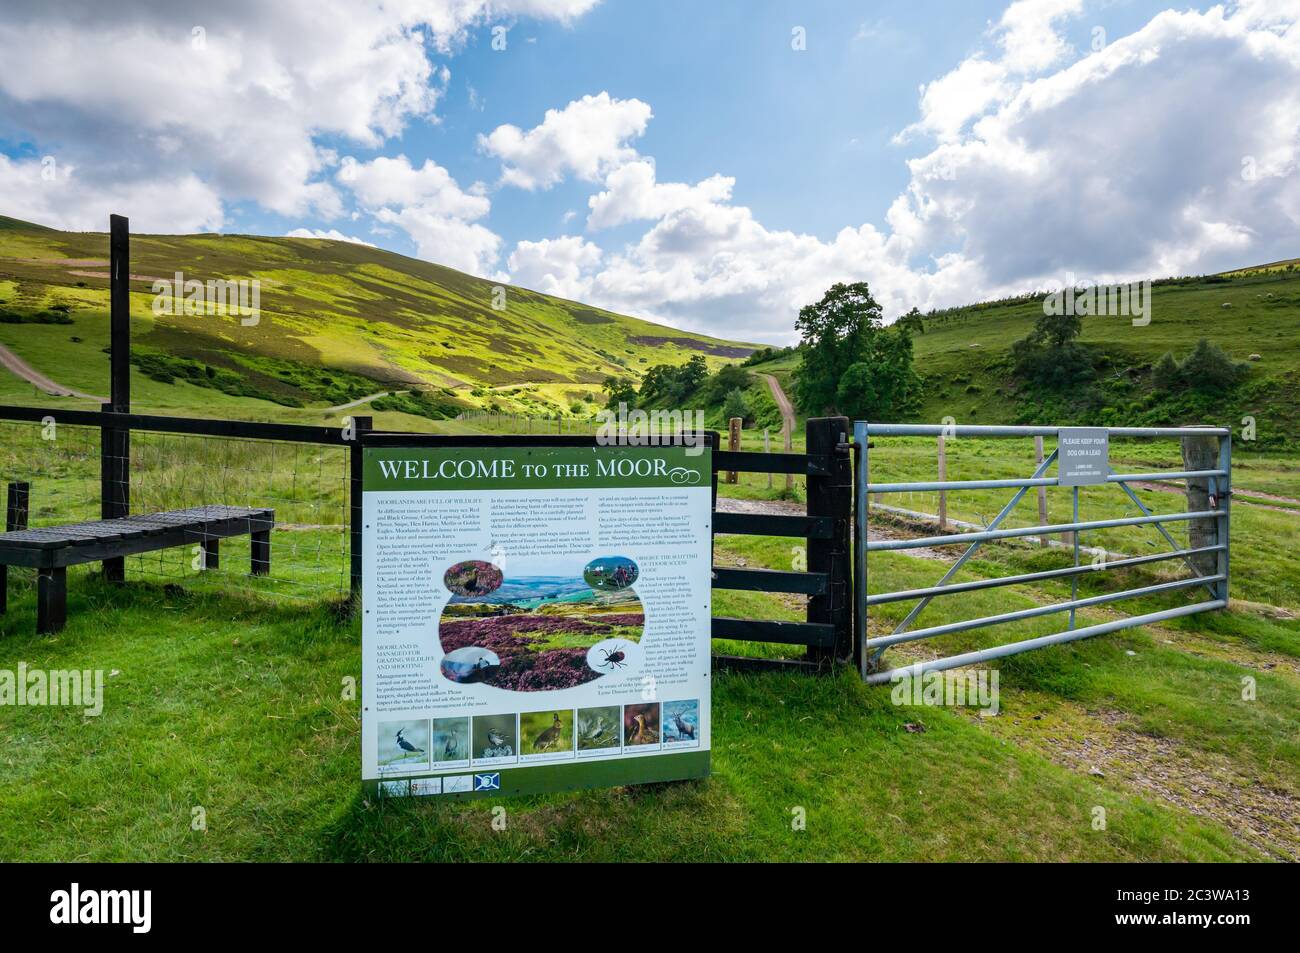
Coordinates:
339 322
223 695
235 705
227 694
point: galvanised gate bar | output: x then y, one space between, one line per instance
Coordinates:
1209 449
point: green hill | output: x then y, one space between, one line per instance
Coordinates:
339 321
963 357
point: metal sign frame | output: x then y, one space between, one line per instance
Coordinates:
869 650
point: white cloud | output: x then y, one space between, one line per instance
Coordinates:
332 234
430 206
1174 150
446 240
233 95
57 195
1028 44
632 193
394 182
587 138
555 266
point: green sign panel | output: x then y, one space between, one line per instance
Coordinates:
536 618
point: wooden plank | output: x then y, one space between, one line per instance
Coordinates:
753 462
770 580
765 524
112 539
765 630
744 663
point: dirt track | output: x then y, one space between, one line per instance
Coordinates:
12 362
782 402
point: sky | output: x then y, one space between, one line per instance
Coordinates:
712 164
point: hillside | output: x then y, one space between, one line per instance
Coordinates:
963 356
339 322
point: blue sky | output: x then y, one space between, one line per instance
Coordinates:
942 151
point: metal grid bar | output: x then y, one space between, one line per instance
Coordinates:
984 430
1015 648
926 542
903 595
1220 493
948 485
897 638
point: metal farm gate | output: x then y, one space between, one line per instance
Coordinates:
1207 454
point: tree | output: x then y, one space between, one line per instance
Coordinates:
834 335
1051 355
1209 369
735 405
619 390
1166 375
912 322
884 386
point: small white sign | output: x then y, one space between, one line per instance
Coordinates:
1084 455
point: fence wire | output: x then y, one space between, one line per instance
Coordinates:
305 484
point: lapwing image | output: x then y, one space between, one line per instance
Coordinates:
406 746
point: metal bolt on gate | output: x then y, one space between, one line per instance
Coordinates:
1076 456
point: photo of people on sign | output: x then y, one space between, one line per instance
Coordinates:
527 608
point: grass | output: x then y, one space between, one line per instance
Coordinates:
337 319
237 706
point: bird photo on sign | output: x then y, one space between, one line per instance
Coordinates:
403 745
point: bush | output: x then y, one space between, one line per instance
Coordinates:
1207 370
735 405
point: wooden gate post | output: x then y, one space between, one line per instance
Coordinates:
733 442
830 494
360 425
1201 452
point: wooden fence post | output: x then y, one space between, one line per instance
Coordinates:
1201 452
17 507
1042 492
943 475
830 494
767 448
115 442
360 425
733 442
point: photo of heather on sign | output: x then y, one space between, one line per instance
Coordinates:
532 633
545 596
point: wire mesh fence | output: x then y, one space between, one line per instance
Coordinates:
305 484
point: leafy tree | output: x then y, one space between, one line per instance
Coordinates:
1207 369
728 378
834 335
1166 375
1051 355
1210 370
619 390
912 322
735 405
884 386
668 386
